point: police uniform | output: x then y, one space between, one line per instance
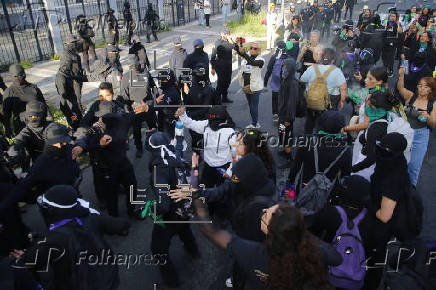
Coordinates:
16 97
113 34
86 33
69 81
152 22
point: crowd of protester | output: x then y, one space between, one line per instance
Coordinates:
350 202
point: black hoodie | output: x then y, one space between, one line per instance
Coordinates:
290 92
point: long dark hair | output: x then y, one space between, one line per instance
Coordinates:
294 257
254 143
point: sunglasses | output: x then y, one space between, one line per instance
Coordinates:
254 48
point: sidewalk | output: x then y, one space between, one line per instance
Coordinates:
43 73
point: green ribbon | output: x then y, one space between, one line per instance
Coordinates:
375 113
147 212
337 135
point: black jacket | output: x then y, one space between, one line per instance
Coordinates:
114 154
328 149
195 58
200 93
290 94
47 171
151 18
31 140
221 54
89 118
16 99
67 251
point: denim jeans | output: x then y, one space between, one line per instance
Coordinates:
253 104
226 9
239 10
419 149
200 16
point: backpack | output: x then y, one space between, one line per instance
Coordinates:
275 75
313 197
399 125
348 243
318 97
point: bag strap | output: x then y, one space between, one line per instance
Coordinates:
316 68
315 154
342 213
359 217
336 160
328 71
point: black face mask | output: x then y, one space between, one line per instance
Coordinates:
164 85
111 120
35 123
55 151
198 50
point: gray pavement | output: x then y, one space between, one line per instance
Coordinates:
211 270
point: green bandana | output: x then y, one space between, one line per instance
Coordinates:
289 45
147 212
375 113
337 135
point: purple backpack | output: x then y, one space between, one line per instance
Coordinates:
348 243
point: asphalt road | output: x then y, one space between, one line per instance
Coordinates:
211 270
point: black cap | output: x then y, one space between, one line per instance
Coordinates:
34 108
331 122
251 172
17 70
56 133
356 191
61 196
381 99
105 107
394 142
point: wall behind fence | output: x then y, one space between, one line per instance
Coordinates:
33 30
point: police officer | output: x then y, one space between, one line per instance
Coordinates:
15 99
152 22
69 81
54 166
329 13
194 59
140 52
30 140
89 118
349 5
128 22
307 15
113 34
107 143
221 61
136 88
86 33
177 58
112 58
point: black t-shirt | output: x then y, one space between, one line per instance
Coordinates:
252 257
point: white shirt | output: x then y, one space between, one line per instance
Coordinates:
219 146
207 9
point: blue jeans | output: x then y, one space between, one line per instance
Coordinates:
226 9
200 16
253 104
239 10
419 149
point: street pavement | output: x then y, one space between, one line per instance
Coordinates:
214 266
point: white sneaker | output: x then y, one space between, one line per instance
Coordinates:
229 283
251 126
257 126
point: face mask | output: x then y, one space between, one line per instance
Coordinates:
55 151
374 113
34 122
163 85
198 49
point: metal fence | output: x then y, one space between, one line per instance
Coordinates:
25 33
